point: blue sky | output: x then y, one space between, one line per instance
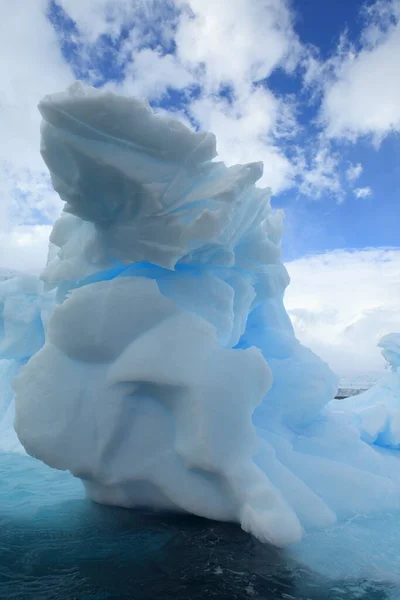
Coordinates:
310 87
322 23
331 224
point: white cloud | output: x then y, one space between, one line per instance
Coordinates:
342 302
222 44
353 172
237 41
31 66
98 17
151 73
363 96
363 192
244 131
218 45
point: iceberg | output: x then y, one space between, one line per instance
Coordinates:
163 369
376 412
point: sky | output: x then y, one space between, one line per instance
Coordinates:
311 88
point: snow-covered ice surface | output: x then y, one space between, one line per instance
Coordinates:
169 374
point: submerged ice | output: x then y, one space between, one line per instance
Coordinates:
168 373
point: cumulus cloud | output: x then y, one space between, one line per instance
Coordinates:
222 43
203 48
341 303
362 93
227 38
219 56
247 138
140 79
217 47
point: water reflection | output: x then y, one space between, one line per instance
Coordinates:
73 549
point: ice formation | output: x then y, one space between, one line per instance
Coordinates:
170 374
376 412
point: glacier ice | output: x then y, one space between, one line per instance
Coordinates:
163 369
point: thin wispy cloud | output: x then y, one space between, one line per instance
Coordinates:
362 96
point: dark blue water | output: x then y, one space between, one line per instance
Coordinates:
55 544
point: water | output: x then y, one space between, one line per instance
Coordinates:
55 544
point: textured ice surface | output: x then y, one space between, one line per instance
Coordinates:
170 375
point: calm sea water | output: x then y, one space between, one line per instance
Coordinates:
55 544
